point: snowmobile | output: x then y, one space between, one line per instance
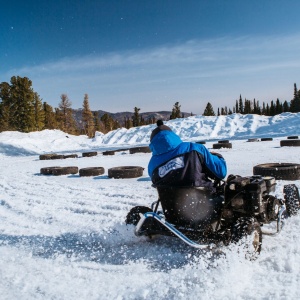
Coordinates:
188 213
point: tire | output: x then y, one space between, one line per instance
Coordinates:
125 172
89 154
47 156
121 150
64 171
273 205
290 143
293 137
247 232
292 199
108 153
223 141
253 140
140 150
71 156
284 171
266 139
133 216
58 156
48 170
222 145
93 171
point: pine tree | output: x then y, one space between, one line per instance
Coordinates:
176 113
116 124
208 111
264 110
39 117
88 118
108 122
267 110
236 110
98 124
4 106
66 119
241 105
272 109
247 107
278 107
22 105
128 122
254 111
49 117
295 103
285 107
136 117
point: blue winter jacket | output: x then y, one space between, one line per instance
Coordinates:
166 145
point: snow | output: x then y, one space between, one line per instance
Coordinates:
64 237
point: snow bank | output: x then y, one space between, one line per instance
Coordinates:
235 126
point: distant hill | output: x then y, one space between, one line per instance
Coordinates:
121 116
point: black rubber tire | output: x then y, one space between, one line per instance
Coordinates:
89 154
108 153
71 156
133 216
58 156
266 139
125 172
253 140
293 137
284 171
292 199
290 143
223 141
249 228
47 156
121 150
145 149
273 205
48 170
92 171
65 171
222 145
201 142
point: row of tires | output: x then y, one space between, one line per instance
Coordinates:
134 150
116 172
280 171
291 141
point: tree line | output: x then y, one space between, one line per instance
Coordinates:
253 107
21 109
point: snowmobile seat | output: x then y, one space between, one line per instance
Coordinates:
191 207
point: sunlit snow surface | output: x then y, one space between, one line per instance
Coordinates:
64 237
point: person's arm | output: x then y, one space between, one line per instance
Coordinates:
215 163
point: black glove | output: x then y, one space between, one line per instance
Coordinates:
217 154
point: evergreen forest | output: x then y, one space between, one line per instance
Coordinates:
21 109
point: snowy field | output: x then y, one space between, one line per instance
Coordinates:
64 237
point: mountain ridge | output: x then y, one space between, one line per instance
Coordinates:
121 116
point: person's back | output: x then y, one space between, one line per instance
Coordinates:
175 162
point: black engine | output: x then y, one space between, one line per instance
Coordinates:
249 196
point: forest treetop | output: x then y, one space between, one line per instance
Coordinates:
21 109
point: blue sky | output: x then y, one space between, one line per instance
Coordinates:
151 54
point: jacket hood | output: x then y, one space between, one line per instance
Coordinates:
164 141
